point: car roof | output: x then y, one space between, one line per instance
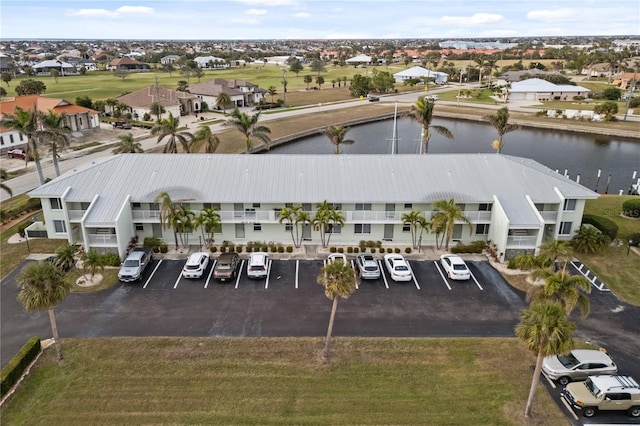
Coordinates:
136 254
195 257
454 258
591 355
227 256
607 382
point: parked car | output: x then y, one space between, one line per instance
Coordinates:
431 97
121 125
258 265
226 266
578 365
335 257
134 265
196 265
454 267
604 393
17 153
367 266
373 98
397 267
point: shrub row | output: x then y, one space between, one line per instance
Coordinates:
631 208
472 247
604 225
12 372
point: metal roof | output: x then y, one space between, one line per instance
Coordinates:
240 178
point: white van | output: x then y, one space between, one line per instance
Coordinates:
258 265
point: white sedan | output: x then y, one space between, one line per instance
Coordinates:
397 267
337 257
454 267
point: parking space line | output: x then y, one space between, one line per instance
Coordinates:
384 277
152 272
566 404
266 281
476 281
239 273
177 281
415 281
206 284
442 275
297 265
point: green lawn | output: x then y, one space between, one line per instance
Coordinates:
280 381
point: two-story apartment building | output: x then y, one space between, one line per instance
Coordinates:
514 202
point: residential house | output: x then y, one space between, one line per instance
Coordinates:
360 60
535 89
169 59
421 73
626 80
514 202
45 67
174 102
77 119
128 64
211 62
242 93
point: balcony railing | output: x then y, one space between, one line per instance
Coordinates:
528 241
103 240
146 215
549 216
76 215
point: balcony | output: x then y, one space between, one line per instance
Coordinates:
141 216
549 216
522 241
103 240
76 215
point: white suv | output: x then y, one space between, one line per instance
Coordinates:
196 265
258 265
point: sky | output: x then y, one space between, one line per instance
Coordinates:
314 19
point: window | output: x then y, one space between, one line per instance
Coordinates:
363 206
10 138
256 205
1 140
250 212
56 203
484 207
257 227
20 135
60 226
362 228
288 227
206 205
482 229
569 205
136 205
337 206
565 228
333 228
139 227
408 206
406 227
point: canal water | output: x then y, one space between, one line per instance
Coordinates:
578 154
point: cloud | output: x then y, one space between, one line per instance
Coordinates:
476 19
119 12
256 12
558 15
135 10
301 15
269 2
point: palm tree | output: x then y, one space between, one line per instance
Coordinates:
438 226
92 262
222 100
422 112
417 223
57 133
336 135
289 215
272 91
169 127
589 240
327 217
450 214
203 136
42 287
552 250
209 221
167 211
500 122
26 122
157 109
127 145
183 222
568 290
339 281
249 127
545 330
65 256
308 79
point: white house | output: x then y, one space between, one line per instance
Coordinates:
419 72
535 89
242 93
359 60
45 67
514 202
211 62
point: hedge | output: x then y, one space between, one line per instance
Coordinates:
12 372
473 247
631 208
604 225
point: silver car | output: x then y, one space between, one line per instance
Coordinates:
578 365
367 266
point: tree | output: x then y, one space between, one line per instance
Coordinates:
317 66
209 222
30 87
417 223
121 73
167 211
182 86
296 67
589 240
222 101
56 132
382 81
546 331
157 109
6 77
65 256
360 86
422 112
249 127
325 219
55 74
127 145
272 91
339 281
308 79
336 135
3 92
319 81
168 67
451 213
500 121
92 262
42 287
438 226
295 217
612 93
183 222
169 128
608 108
26 122
552 250
566 289
85 101
203 136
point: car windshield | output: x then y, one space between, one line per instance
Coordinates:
192 267
459 267
592 387
257 268
224 266
371 268
130 263
569 361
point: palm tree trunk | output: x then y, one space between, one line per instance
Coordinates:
54 155
534 384
325 353
54 332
